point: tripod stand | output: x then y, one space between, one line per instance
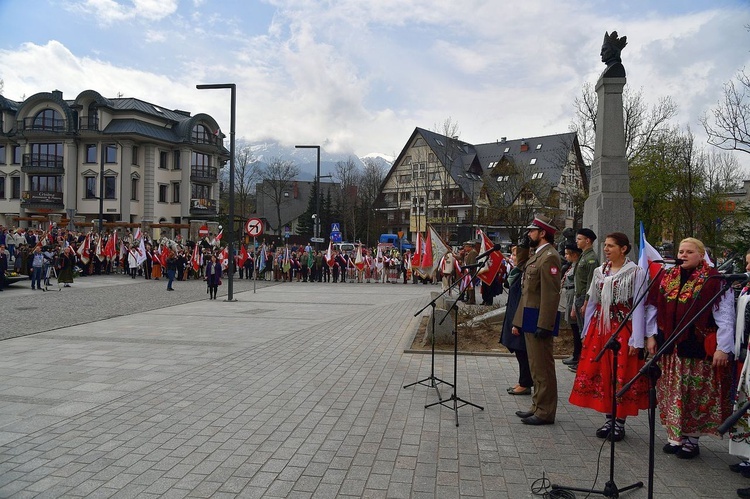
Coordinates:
432 381
454 399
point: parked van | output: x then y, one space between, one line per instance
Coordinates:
348 247
401 244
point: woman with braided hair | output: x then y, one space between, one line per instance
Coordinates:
614 290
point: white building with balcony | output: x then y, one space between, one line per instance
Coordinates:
150 165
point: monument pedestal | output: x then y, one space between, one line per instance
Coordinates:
609 207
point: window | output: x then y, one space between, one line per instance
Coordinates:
46 183
15 187
163 193
537 175
176 160
404 179
16 155
200 191
431 158
90 153
110 153
407 160
135 155
2 154
503 178
2 187
507 149
175 192
47 155
492 165
533 161
405 196
435 194
49 120
110 187
163 160
134 189
418 170
201 135
538 146
90 187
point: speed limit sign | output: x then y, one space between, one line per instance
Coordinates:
254 227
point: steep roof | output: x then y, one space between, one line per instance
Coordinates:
142 128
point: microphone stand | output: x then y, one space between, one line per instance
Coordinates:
613 344
432 381
653 371
454 400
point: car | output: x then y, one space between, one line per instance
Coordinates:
348 247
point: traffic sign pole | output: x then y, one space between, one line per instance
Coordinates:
255 277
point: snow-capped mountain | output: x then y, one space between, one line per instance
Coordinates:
306 158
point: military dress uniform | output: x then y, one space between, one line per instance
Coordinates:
541 291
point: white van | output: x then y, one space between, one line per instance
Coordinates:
348 247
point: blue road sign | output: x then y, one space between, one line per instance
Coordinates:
335 228
336 237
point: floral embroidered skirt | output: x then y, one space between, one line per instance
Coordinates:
694 397
739 437
593 384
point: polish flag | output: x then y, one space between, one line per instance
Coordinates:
416 258
218 236
426 262
99 252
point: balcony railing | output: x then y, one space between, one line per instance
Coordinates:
42 125
207 139
90 123
47 199
203 173
42 163
202 206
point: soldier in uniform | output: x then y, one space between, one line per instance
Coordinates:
583 274
540 297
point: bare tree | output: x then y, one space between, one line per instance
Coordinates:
247 173
642 124
372 179
727 124
347 173
277 178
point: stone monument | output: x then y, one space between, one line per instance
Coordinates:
609 207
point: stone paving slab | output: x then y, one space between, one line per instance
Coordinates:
294 391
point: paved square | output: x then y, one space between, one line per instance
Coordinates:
293 391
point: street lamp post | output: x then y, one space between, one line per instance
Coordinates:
230 239
316 225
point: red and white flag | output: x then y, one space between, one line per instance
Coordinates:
244 255
195 261
84 251
494 262
416 258
329 255
140 256
100 250
218 236
110 249
224 258
358 261
649 259
137 235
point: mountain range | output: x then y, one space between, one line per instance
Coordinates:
307 161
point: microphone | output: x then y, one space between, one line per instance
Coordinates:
734 277
496 247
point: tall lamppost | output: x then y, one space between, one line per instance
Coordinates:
316 225
230 239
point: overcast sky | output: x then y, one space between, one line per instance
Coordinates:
357 76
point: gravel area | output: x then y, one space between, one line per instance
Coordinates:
98 297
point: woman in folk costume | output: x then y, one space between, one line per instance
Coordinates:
739 436
615 288
694 389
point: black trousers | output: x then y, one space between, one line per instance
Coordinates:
524 372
